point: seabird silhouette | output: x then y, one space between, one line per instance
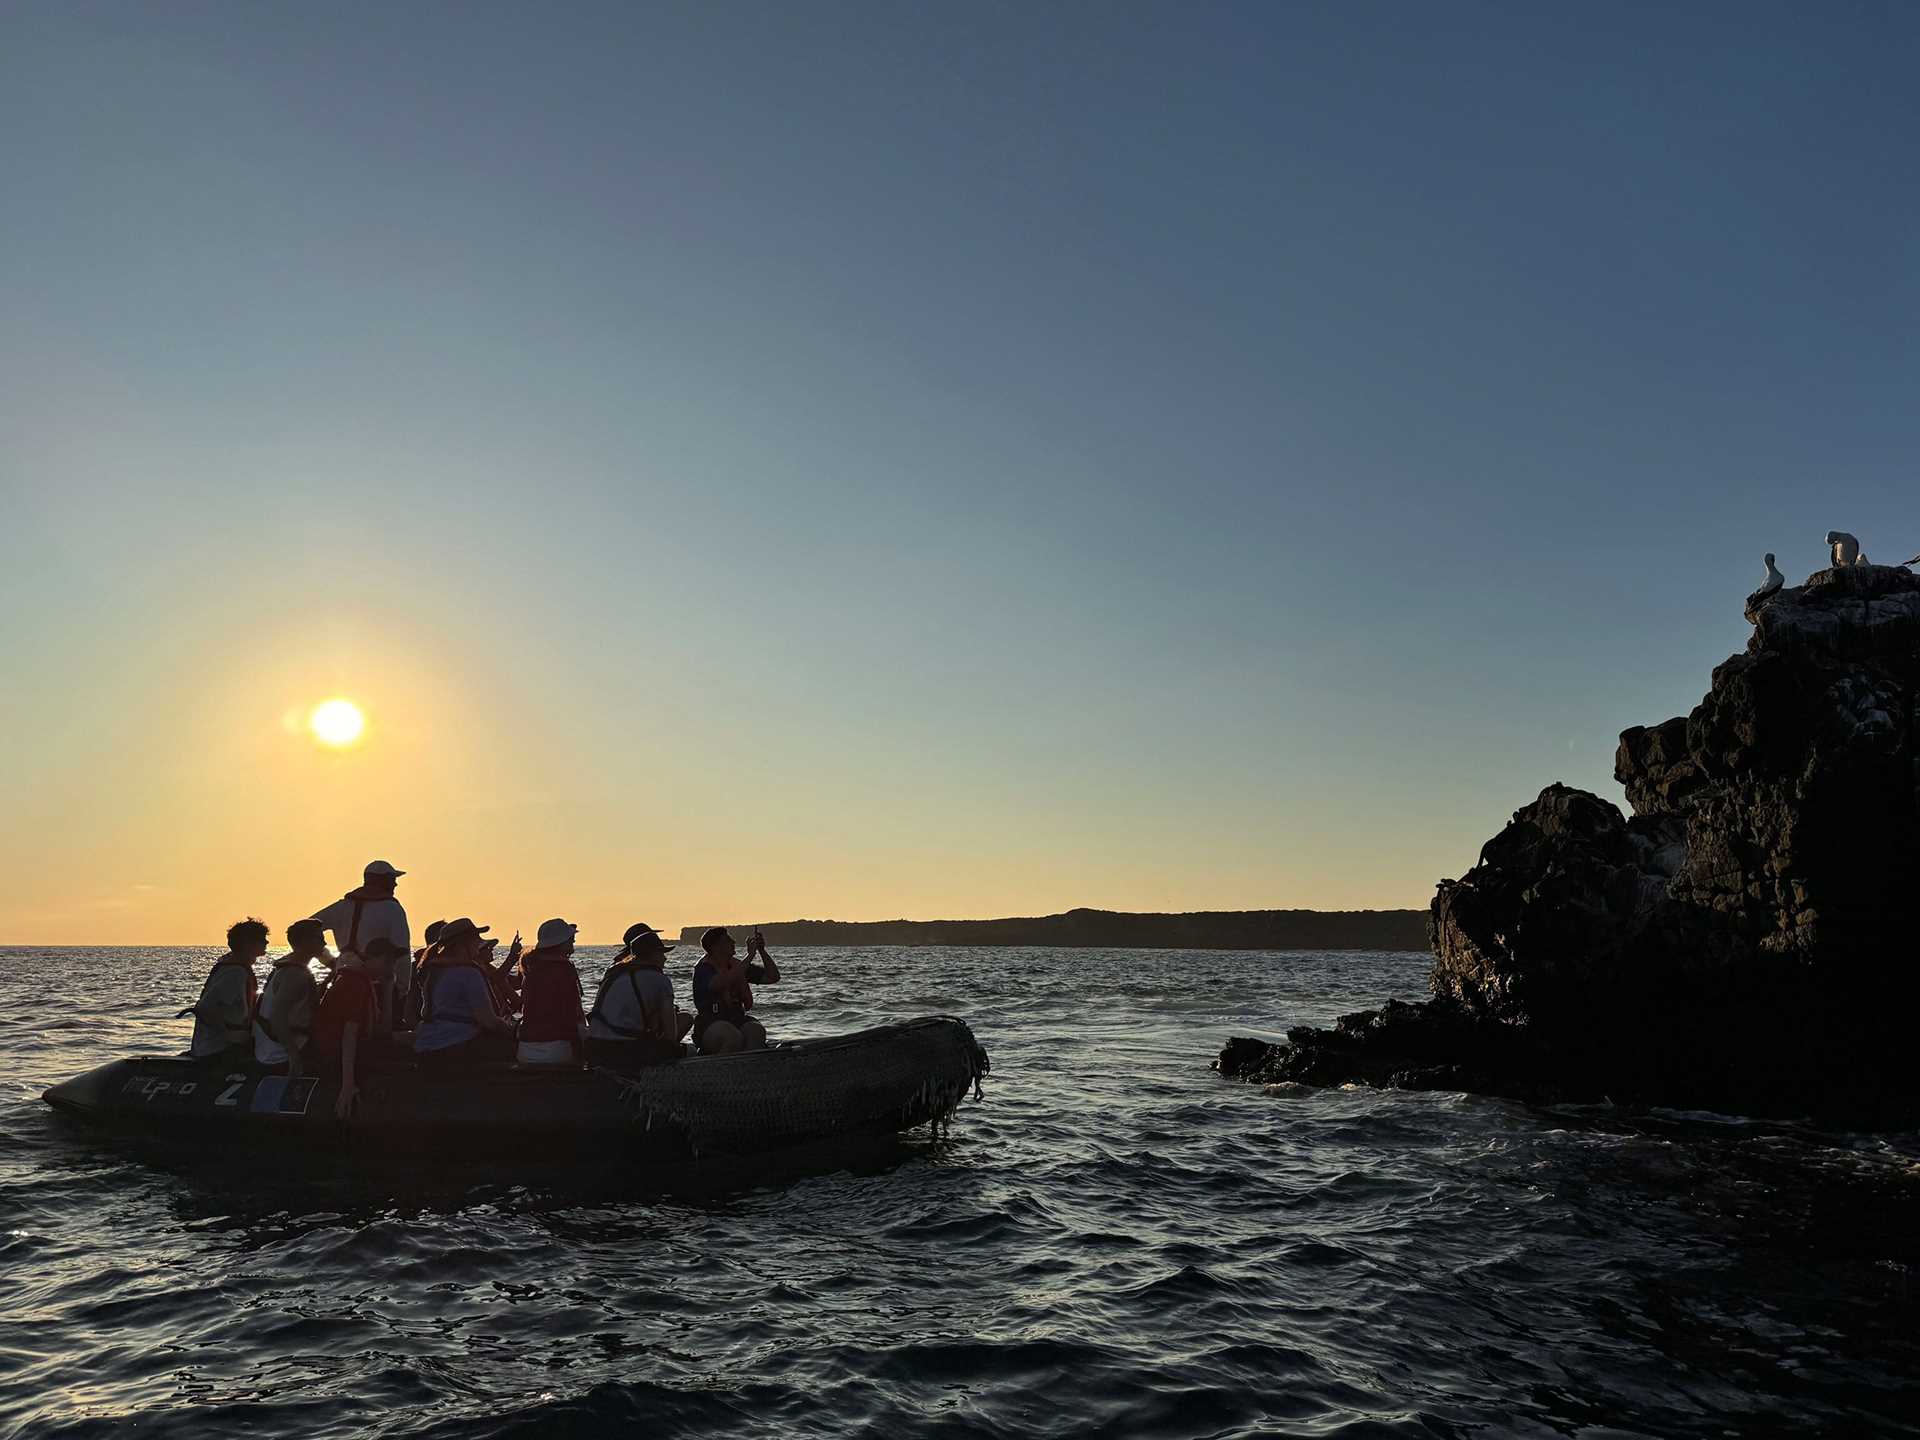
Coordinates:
1767 588
1846 549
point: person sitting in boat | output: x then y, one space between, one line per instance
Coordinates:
409 1015
346 1024
502 976
633 1021
285 1014
371 910
458 1019
223 1015
553 1030
723 993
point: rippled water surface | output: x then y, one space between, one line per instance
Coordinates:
1114 1242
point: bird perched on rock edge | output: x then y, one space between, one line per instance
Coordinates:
1846 549
1768 586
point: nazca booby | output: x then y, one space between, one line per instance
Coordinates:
1768 586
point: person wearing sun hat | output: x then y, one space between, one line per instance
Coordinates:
370 912
553 1029
633 1020
458 1018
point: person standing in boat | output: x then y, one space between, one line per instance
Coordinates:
553 1030
723 993
223 1015
368 912
348 1018
285 1015
633 1020
459 1021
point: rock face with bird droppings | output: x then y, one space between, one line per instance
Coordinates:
1745 940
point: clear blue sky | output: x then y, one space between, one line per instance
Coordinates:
964 459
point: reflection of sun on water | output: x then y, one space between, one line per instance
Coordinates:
336 722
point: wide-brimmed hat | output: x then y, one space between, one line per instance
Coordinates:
555 932
645 937
460 929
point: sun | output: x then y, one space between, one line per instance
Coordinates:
336 722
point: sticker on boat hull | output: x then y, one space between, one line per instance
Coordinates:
277 1095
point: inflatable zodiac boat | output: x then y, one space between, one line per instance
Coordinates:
873 1083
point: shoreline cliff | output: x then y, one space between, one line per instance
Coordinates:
1743 941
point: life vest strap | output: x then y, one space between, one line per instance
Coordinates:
607 982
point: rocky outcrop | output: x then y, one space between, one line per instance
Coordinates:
1744 940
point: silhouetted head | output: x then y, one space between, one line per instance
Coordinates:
1833 537
247 937
556 936
380 877
1769 557
308 938
380 955
642 940
717 941
462 937
433 930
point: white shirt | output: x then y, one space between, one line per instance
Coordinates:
622 1008
273 999
379 919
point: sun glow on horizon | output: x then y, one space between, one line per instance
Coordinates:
336 722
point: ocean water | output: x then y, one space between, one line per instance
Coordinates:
1115 1242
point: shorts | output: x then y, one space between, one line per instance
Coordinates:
546 1052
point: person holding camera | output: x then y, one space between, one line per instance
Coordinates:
723 993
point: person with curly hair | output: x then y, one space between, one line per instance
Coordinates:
223 1015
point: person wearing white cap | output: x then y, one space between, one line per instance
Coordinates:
553 1030
370 913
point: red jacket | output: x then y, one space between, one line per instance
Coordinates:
550 1007
351 997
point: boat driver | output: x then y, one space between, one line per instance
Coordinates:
372 910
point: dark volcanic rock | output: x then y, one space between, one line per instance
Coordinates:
1743 941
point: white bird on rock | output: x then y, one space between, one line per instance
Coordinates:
1767 588
1846 549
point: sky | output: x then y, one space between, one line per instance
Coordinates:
857 461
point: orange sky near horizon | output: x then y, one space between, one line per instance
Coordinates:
212 800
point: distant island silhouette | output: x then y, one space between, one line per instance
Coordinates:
1194 930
